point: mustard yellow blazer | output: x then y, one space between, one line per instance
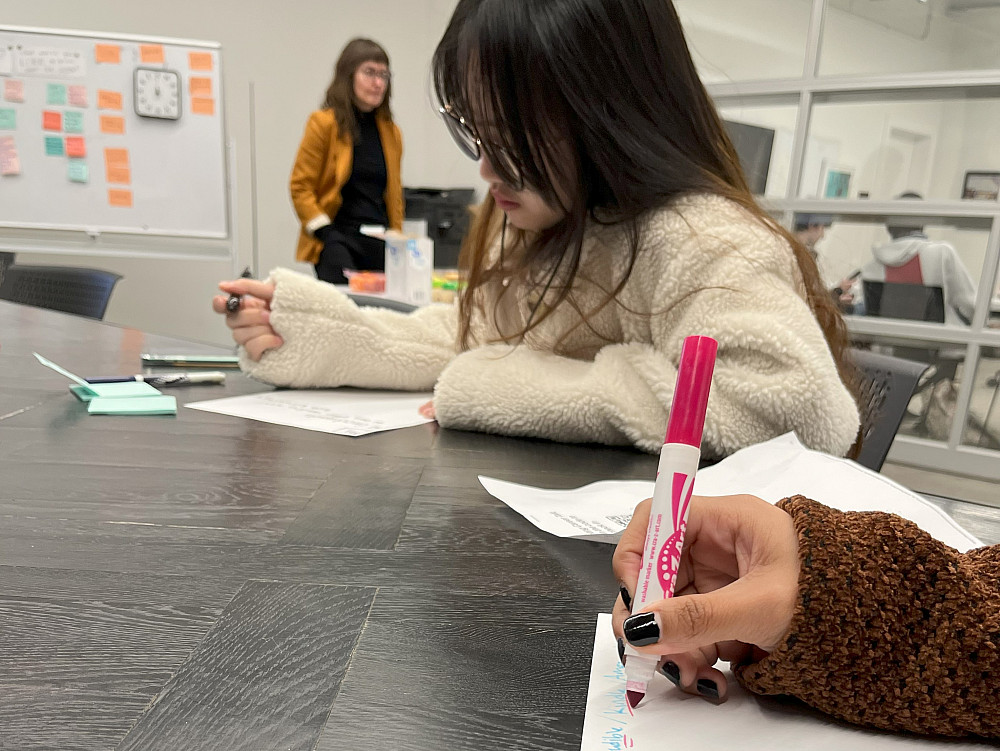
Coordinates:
322 168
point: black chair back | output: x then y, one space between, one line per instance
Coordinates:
887 384
911 302
69 289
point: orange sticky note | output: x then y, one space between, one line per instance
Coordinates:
200 86
109 100
76 147
116 157
108 53
112 124
120 198
202 106
151 53
51 120
118 175
200 60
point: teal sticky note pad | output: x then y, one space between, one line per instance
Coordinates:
73 122
140 405
54 146
8 119
78 172
55 93
126 390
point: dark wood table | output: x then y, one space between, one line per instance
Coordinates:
209 582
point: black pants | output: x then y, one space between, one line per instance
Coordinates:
347 248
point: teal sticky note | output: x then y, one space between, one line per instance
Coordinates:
73 122
78 172
54 146
124 390
140 405
8 119
55 93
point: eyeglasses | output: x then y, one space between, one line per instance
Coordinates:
373 73
472 147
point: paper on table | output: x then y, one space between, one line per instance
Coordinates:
772 470
352 412
745 721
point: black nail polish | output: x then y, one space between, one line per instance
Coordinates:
621 650
708 689
642 630
672 672
626 598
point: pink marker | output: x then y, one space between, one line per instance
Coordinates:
675 473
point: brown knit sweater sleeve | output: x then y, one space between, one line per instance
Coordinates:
893 629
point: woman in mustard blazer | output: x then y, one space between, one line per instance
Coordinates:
347 170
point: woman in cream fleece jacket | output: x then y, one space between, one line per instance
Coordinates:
603 243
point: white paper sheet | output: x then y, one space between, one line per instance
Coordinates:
667 718
773 470
352 412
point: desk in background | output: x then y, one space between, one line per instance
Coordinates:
203 581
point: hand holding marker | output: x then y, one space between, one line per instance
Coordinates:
679 460
233 303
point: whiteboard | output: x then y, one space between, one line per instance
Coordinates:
75 155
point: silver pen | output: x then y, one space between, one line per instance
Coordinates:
168 379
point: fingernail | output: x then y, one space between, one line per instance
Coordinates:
621 650
626 597
672 672
641 630
708 689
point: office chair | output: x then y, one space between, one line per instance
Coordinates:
69 289
6 259
911 302
373 301
887 384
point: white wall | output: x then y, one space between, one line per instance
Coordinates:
286 50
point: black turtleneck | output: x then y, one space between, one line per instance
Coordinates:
364 193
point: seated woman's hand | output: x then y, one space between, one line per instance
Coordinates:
251 323
735 594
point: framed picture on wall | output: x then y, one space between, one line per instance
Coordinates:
837 183
981 186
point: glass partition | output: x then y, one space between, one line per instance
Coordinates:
885 146
906 36
982 427
763 137
741 40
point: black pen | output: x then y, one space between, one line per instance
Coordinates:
167 379
233 303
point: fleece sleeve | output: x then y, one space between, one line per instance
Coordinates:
892 630
773 374
329 341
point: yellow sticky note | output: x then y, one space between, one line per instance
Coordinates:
112 124
107 53
202 106
109 100
151 53
200 60
120 198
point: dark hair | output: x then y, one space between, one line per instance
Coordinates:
616 81
905 226
805 221
340 92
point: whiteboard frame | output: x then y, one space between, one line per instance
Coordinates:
93 232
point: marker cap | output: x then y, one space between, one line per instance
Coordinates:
694 379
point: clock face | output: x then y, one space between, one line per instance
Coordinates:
157 93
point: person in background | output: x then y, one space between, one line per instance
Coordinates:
913 258
618 222
860 615
347 170
809 229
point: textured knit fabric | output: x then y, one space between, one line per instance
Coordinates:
322 167
893 629
364 192
705 266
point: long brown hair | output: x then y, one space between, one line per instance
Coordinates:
340 92
617 81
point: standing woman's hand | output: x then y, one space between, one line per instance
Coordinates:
251 323
735 595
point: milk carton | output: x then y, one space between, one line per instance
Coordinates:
409 267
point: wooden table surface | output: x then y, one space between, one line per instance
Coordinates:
209 582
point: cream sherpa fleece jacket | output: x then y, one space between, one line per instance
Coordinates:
705 266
